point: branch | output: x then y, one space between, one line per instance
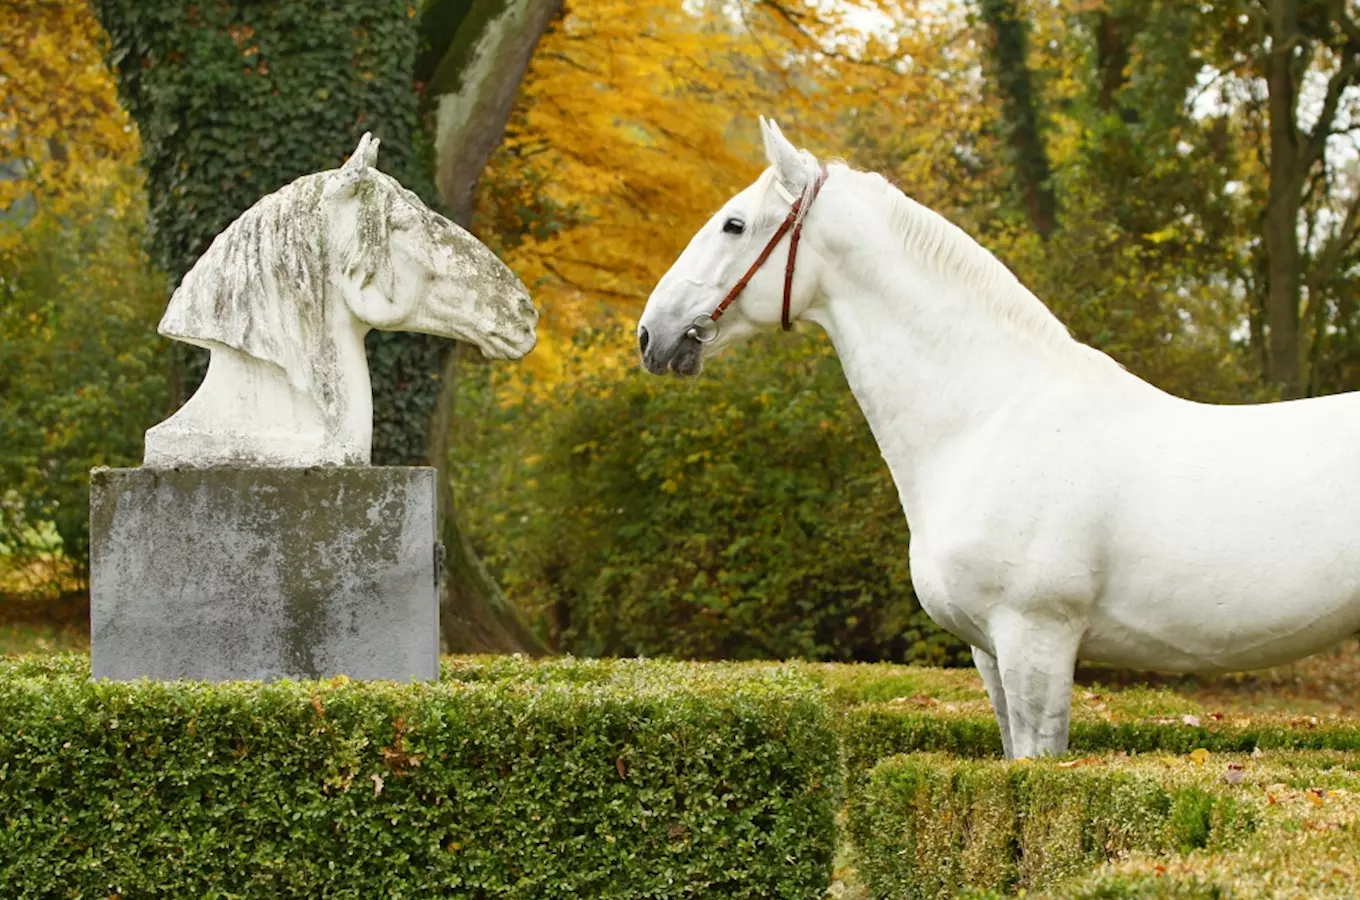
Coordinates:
1348 26
1336 86
590 289
1336 247
792 18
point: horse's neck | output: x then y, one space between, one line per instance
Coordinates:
928 361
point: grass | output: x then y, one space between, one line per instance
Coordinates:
42 638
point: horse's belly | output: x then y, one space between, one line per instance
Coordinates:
1228 611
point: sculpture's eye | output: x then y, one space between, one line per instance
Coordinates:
734 226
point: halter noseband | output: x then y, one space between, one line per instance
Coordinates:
705 327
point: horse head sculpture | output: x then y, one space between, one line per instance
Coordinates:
284 297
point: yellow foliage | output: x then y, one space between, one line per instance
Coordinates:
63 135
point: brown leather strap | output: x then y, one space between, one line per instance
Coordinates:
783 229
793 250
755 266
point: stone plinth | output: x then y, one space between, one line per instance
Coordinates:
257 573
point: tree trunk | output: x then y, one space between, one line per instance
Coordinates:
1112 57
1020 113
474 616
1287 160
475 85
476 55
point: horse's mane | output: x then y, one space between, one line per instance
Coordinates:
946 250
261 287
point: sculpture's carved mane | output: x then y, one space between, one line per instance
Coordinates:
264 285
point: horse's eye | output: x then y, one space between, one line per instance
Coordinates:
733 226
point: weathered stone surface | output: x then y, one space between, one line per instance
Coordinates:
257 573
284 297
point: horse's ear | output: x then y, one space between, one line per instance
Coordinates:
790 168
342 182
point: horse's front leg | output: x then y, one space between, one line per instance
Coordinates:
1036 658
991 679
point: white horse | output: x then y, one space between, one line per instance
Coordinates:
1060 507
284 297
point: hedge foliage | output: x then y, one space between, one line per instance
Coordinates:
1110 826
747 514
873 731
505 779
234 100
929 826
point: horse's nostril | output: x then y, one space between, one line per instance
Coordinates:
643 338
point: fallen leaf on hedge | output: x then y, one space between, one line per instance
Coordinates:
1200 756
618 764
1315 796
1084 761
916 700
377 783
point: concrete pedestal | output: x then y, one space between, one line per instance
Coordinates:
222 574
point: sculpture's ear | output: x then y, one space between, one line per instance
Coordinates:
342 183
790 166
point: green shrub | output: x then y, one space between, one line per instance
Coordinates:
928 826
505 779
872 731
82 371
1304 847
746 514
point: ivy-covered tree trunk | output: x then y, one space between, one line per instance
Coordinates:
474 56
1020 114
236 99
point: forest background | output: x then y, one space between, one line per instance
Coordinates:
1177 181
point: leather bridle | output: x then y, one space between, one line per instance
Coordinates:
704 329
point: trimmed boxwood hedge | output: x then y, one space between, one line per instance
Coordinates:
873 731
505 779
929 826
1111 827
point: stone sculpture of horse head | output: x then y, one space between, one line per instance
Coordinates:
284 297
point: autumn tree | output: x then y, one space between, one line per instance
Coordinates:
1008 60
1303 37
82 372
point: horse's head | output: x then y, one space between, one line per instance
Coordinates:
676 328
345 249
402 267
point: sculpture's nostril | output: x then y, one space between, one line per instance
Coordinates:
643 338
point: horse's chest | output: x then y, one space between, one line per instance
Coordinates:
960 611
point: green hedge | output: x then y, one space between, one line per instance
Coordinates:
1112 827
928 826
873 731
505 779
